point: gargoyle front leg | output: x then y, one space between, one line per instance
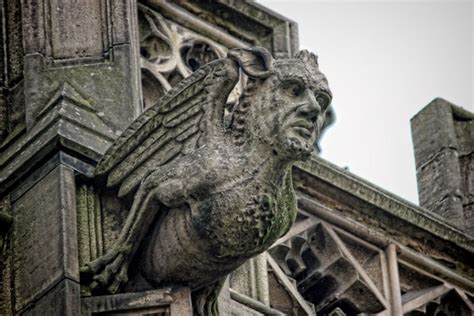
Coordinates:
111 270
170 188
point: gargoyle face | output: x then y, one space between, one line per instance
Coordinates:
295 107
288 100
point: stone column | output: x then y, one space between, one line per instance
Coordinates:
443 138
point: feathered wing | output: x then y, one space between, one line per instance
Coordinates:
183 120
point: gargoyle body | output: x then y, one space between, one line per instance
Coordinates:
209 195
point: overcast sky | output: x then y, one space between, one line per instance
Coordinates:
385 60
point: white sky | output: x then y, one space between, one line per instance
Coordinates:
385 60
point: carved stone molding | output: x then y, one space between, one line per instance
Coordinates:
80 86
245 20
342 194
169 52
425 294
77 38
68 119
341 273
328 274
89 223
437 301
166 301
413 273
284 293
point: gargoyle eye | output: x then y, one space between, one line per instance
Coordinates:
293 88
323 100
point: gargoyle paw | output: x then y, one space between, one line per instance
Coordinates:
108 272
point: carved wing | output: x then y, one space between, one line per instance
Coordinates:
184 119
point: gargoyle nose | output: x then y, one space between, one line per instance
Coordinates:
311 108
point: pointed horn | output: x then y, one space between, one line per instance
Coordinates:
256 62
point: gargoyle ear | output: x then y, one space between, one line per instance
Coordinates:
256 62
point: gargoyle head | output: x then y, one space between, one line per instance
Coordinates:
283 104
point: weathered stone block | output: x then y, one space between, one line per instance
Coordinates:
61 300
83 38
433 130
44 237
90 45
443 137
465 133
439 179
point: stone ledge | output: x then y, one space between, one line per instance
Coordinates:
385 201
176 301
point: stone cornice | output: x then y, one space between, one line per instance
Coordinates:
353 205
402 210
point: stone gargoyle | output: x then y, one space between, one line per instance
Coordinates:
211 187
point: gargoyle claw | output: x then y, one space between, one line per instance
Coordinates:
120 278
107 272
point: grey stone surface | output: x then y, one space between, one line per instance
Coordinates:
439 182
80 88
429 252
328 274
44 237
353 197
333 194
5 265
11 109
62 299
435 133
443 137
165 301
251 280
